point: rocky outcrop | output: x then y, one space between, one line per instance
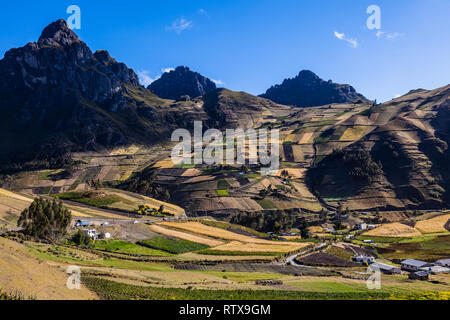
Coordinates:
181 82
308 90
56 94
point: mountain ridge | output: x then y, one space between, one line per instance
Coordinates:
181 82
308 90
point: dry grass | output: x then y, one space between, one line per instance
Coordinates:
306 138
22 272
239 243
185 236
394 230
236 246
434 225
202 229
165 164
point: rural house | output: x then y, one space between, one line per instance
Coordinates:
435 269
363 259
413 265
385 268
444 262
419 275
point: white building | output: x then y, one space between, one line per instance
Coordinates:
91 233
444 262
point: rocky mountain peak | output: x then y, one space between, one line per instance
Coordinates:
57 33
181 82
308 90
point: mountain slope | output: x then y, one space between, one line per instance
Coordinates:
403 162
181 82
233 109
307 90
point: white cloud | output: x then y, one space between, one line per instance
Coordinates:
218 82
394 35
145 79
180 25
167 70
341 36
203 11
389 36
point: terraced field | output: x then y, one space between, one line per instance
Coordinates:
224 242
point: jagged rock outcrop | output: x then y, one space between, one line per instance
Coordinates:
55 94
181 82
308 90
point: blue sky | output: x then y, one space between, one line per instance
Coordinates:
250 45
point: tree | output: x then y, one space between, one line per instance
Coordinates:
45 220
323 215
81 239
304 229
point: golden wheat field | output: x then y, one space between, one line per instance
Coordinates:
217 233
394 230
185 236
259 247
434 225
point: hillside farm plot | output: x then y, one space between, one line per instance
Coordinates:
173 246
353 134
428 248
239 248
11 205
394 230
201 229
433 225
185 236
128 248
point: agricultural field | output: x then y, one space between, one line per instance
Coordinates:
128 248
118 200
223 242
393 230
433 225
172 246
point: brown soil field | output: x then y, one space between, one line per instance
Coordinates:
281 247
325 259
